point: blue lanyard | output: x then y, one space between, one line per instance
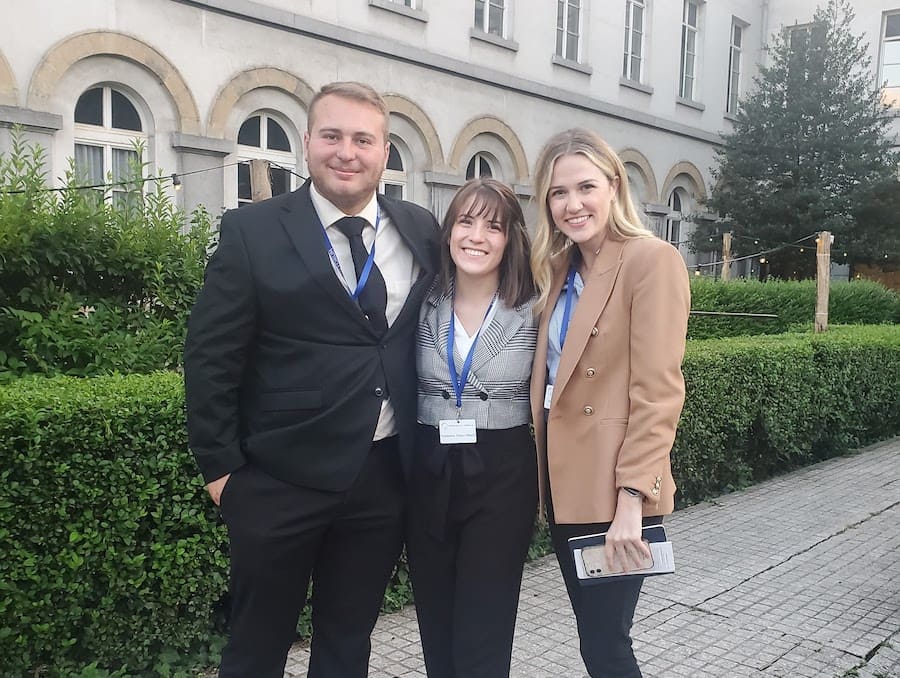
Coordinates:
459 382
367 269
567 311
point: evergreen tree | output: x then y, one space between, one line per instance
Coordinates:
809 151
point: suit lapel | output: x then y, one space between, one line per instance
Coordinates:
506 322
301 222
597 289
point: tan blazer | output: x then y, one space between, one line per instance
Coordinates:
619 388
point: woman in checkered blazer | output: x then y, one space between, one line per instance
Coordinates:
473 496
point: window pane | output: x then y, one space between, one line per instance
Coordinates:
248 135
281 180
124 164
737 36
636 46
560 14
638 19
479 14
572 48
892 75
692 45
124 114
560 35
395 162
892 52
573 20
635 69
89 109
496 20
244 192
393 191
485 168
89 164
276 140
692 14
470 169
892 26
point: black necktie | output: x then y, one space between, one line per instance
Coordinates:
373 298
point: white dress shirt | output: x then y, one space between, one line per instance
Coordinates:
394 259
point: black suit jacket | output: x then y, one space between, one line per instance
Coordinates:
282 370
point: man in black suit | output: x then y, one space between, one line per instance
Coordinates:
301 392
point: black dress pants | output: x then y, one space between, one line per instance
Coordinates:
603 611
468 533
282 535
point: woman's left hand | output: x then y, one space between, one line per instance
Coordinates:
625 549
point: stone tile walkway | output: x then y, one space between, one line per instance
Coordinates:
797 576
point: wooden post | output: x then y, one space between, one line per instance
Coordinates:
260 185
726 256
823 279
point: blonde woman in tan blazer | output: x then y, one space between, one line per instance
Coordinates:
606 387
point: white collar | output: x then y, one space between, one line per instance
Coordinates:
329 214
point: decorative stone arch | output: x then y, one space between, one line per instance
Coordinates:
62 56
247 81
404 108
634 157
9 93
500 130
688 169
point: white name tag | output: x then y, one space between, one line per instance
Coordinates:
548 396
454 432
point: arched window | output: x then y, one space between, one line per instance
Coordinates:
479 167
673 222
108 135
262 137
393 181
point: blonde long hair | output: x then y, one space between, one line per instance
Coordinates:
549 241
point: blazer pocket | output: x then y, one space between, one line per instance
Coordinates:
277 401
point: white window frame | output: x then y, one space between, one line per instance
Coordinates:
486 17
687 81
393 177
487 159
631 7
675 218
563 37
284 159
735 58
107 137
890 94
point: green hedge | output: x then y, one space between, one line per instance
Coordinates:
113 554
860 302
757 406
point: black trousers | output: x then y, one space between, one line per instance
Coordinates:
468 533
603 611
281 536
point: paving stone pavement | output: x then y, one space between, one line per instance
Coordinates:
797 576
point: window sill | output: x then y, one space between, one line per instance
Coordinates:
635 85
730 116
690 103
492 39
397 8
571 65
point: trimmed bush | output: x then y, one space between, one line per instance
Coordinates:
861 302
113 553
763 405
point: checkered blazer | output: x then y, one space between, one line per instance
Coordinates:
496 392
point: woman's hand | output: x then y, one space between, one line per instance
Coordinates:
625 550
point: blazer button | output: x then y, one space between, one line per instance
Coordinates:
379 391
483 396
590 372
594 331
588 410
445 395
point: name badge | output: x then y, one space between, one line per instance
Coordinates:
548 396
455 431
